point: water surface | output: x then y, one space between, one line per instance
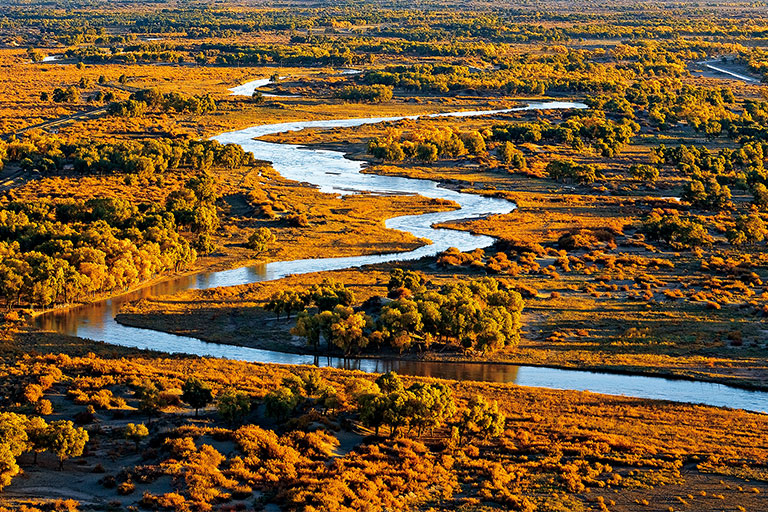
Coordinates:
332 173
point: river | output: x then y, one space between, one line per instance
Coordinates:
331 172
733 74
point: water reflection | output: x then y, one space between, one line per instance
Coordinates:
333 173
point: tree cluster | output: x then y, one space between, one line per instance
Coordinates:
22 434
427 144
152 99
51 154
481 315
365 93
675 230
62 252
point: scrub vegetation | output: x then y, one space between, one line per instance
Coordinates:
637 245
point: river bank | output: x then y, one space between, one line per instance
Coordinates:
232 316
332 173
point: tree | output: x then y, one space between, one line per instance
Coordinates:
678 232
372 408
261 239
430 405
749 229
760 194
473 142
401 320
33 393
35 55
482 418
511 156
8 466
329 294
411 280
389 382
287 301
313 327
426 152
150 401
570 171
233 405
281 403
13 432
366 93
38 435
707 194
136 432
196 393
644 172
205 219
66 440
348 329
68 95
257 97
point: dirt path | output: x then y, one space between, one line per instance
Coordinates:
85 114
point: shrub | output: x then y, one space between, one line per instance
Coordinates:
570 171
366 93
261 239
678 232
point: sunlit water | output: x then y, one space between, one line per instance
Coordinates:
733 74
333 173
248 88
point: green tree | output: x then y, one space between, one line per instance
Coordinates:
372 408
474 142
150 401
196 393
401 320
426 152
749 229
644 172
570 171
281 403
389 382
430 405
233 405
287 301
313 326
410 280
329 294
760 194
511 156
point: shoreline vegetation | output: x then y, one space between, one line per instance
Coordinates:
173 314
637 246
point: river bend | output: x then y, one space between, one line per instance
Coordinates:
331 172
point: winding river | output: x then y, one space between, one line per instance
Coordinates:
333 173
